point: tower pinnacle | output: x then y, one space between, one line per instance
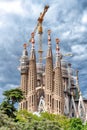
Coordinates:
58 86
32 40
32 55
49 37
32 79
57 46
25 45
49 76
49 51
24 61
57 53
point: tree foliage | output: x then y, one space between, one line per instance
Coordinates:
25 116
28 121
8 108
75 124
11 97
11 119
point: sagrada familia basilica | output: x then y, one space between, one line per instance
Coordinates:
51 85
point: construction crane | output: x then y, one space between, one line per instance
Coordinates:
40 31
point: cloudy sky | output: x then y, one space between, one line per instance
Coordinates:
66 18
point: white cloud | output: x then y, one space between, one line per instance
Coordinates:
79 49
84 18
35 10
79 29
82 29
1 23
80 57
80 52
66 35
11 7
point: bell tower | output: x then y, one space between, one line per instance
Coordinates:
32 79
49 76
58 86
24 63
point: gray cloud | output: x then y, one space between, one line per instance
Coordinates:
67 20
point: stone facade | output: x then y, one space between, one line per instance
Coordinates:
50 87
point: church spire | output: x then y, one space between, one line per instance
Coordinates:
58 86
32 79
24 61
49 76
24 64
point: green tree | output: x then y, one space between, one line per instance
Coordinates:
11 97
63 121
75 124
46 115
85 126
25 116
8 108
7 123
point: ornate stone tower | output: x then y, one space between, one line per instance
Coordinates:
32 79
49 76
58 86
24 62
50 88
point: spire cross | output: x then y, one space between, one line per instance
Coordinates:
25 45
32 39
49 37
57 45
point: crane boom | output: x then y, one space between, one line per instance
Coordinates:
40 20
40 31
